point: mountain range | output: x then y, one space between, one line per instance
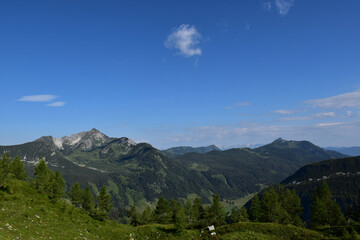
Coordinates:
178 151
139 173
350 151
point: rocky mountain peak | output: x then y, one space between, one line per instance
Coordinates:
83 140
127 141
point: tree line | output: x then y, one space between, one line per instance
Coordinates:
52 184
275 204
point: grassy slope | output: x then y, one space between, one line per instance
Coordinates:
25 214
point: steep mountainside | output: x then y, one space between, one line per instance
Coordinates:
178 151
133 172
237 172
342 176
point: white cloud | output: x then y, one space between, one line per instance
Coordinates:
56 104
37 98
299 118
317 115
351 99
325 114
185 39
284 6
283 111
329 124
349 113
239 104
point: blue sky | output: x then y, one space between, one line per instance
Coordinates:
181 72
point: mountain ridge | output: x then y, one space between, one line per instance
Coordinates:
181 150
140 173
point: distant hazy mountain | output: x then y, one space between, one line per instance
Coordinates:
350 151
236 172
342 176
250 145
178 151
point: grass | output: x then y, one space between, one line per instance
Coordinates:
26 214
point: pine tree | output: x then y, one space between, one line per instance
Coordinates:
5 169
187 209
173 206
238 215
319 214
324 210
18 169
270 206
87 200
146 216
163 211
179 217
197 212
56 186
134 216
215 214
291 203
41 181
76 195
104 200
255 209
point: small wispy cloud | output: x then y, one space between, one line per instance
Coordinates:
243 104
351 99
185 39
238 104
37 98
349 113
283 111
325 114
56 104
329 124
283 6
311 117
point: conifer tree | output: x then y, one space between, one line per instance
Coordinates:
41 181
238 215
163 211
104 200
291 204
76 195
215 214
146 216
18 169
197 212
187 210
324 210
179 217
134 216
87 200
270 206
255 209
56 186
5 162
173 206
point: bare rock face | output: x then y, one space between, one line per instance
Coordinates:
82 140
